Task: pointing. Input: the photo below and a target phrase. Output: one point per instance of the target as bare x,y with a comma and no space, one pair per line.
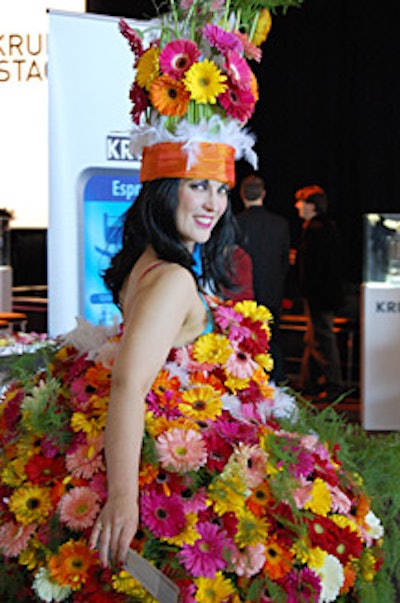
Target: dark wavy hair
151,220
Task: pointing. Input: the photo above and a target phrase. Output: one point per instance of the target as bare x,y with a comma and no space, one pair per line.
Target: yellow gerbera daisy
34,555
250,309
148,67
345,522
212,348
228,494
201,403
213,590
188,535
205,82
124,583
266,361
235,383
320,500
169,97
251,529
263,27
31,504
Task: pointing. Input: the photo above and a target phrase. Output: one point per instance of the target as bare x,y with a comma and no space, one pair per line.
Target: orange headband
214,161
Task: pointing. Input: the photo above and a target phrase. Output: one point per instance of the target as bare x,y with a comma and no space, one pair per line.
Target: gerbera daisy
213,590
240,364
249,560
169,97
42,470
221,39
71,564
259,499
189,534
163,515
201,403
31,504
320,501
14,537
207,555
212,348
331,575
148,67
177,56
237,69
87,459
205,82
263,27
251,530
256,312
227,493
79,508
237,102
181,450
48,590
250,50
302,585
278,559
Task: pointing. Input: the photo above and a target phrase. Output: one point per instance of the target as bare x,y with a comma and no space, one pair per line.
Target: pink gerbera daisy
237,69
79,508
206,556
251,51
177,56
163,515
240,364
237,102
14,537
249,561
86,459
222,40
181,450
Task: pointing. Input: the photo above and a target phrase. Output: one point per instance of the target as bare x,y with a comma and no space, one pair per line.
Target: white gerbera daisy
47,590
331,575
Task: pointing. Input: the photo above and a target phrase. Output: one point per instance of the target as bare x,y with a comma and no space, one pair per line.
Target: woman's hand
115,528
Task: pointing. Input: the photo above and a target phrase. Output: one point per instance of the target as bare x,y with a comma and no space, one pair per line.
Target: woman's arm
153,321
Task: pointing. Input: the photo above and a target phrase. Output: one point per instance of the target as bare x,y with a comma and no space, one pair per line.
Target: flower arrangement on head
277,517
194,90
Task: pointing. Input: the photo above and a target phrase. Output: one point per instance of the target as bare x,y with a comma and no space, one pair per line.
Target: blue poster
106,195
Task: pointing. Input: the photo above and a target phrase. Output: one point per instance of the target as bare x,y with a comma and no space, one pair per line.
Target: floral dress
239,501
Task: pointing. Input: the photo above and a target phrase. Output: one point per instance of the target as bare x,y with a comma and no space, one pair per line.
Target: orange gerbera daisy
259,499
278,560
207,379
169,97
98,376
70,567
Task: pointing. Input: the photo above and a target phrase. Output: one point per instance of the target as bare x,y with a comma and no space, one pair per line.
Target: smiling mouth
204,222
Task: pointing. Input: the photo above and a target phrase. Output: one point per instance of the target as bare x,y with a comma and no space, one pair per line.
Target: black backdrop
328,110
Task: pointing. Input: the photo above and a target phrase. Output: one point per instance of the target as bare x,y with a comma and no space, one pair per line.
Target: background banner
93,178
23,108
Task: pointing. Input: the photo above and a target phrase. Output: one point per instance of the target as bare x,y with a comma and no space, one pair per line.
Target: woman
153,281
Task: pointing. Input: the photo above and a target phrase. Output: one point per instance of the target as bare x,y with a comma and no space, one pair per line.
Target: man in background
266,239
321,286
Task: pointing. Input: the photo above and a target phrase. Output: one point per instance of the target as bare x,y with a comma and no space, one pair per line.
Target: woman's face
201,203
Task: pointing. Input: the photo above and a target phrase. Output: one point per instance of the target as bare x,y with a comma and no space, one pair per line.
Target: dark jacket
319,264
266,239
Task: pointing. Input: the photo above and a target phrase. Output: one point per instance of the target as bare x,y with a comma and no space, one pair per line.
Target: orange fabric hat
213,161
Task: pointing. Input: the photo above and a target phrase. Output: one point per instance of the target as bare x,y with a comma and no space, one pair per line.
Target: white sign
24,108
380,378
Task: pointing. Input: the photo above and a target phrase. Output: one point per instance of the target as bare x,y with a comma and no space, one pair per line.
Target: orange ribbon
213,161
